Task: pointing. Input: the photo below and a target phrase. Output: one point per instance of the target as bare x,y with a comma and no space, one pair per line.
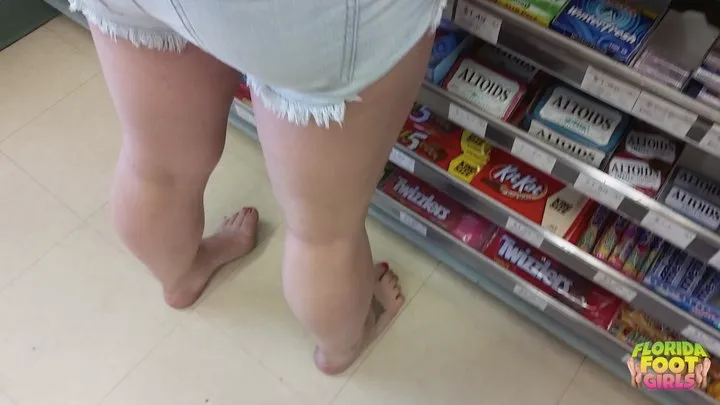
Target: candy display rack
693,123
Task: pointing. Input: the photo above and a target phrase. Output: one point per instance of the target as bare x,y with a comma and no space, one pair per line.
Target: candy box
705,311
698,185
450,42
541,11
437,207
694,207
496,93
243,93
577,124
633,326
608,26
505,61
583,296
435,138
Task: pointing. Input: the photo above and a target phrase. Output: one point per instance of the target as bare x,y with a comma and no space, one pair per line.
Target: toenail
384,265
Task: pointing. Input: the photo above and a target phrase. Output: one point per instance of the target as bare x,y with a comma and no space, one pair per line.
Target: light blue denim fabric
304,58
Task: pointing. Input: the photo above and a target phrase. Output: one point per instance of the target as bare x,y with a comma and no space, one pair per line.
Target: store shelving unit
681,116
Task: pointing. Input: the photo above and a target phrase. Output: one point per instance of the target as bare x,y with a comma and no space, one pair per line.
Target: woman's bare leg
173,108
324,180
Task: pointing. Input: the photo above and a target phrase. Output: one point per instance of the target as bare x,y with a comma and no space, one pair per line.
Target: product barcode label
663,114
715,261
467,120
532,297
610,89
668,230
711,141
524,232
696,335
404,161
476,20
413,223
616,287
599,191
533,155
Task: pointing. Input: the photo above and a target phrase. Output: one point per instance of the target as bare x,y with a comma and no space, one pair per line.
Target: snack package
541,11
577,124
580,294
633,326
608,26
694,207
599,220
503,177
644,161
639,253
698,185
509,62
440,209
612,236
709,287
622,250
496,93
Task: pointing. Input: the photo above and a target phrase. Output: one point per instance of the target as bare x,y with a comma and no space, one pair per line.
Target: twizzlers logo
517,185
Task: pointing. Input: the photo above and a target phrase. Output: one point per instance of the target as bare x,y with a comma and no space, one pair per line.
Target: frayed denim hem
142,38
299,112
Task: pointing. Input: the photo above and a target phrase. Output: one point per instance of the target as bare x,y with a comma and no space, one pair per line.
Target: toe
250,218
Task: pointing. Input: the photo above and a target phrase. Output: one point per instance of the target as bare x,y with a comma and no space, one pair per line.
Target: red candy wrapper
585,297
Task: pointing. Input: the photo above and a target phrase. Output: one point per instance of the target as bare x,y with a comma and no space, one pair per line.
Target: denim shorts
304,58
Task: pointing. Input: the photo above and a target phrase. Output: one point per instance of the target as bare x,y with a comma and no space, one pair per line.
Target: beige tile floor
82,323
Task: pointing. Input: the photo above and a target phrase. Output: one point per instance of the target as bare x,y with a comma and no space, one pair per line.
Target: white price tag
467,120
413,223
715,261
532,297
666,229
610,89
533,155
616,287
599,191
402,160
711,141
524,232
664,115
476,20
696,335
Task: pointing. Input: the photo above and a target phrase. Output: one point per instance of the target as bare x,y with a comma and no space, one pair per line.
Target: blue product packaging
709,287
693,272
704,311
450,42
663,270
581,119
608,26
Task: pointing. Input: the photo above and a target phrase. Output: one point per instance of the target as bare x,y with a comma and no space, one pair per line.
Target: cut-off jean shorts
304,58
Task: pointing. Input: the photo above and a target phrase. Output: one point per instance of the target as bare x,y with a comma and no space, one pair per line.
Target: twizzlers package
585,297
437,207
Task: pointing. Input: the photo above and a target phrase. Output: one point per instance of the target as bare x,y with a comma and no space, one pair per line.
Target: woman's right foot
389,296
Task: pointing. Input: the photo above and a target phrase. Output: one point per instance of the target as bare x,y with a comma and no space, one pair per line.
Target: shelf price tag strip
599,191
711,141
696,335
530,296
533,155
663,114
404,161
476,20
467,120
627,294
676,234
412,223
609,89
524,232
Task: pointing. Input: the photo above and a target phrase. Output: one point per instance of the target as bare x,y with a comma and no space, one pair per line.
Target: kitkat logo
515,184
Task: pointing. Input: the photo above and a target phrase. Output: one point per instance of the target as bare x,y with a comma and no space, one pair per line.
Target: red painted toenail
384,265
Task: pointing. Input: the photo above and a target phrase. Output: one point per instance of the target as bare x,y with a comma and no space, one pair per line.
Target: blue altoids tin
608,26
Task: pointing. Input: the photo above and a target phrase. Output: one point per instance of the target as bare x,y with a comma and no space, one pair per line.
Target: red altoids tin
590,300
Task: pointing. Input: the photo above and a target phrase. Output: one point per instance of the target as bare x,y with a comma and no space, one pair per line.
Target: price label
668,230
476,20
532,297
598,190
710,343
715,261
711,141
533,155
402,160
467,120
664,115
524,232
413,223
614,286
608,88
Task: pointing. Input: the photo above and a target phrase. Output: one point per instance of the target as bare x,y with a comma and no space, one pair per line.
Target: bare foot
389,297
235,238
